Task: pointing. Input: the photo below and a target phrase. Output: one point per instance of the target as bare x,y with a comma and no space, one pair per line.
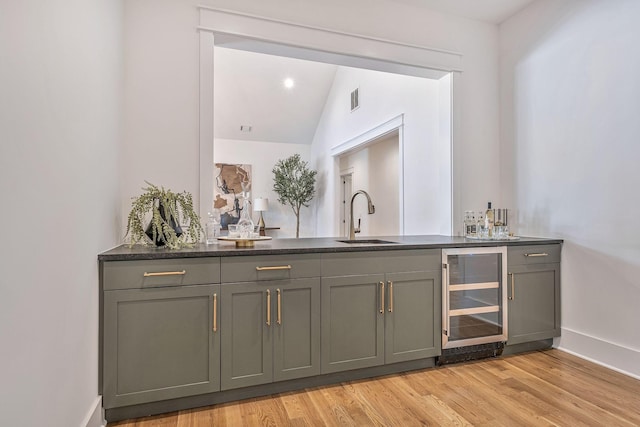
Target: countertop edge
314,245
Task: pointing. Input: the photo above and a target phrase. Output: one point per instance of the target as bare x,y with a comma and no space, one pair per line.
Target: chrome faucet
371,209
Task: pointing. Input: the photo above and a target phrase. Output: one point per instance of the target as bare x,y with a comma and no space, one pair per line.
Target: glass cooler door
474,296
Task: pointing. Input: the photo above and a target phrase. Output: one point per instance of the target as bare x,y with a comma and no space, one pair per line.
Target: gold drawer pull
381,297
215,312
537,254
513,289
277,267
279,320
268,307
166,273
390,296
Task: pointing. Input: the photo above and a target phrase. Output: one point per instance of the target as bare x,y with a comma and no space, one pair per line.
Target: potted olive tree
165,208
294,183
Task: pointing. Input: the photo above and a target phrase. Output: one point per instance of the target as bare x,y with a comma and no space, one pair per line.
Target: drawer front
160,273
269,267
345,264
533,254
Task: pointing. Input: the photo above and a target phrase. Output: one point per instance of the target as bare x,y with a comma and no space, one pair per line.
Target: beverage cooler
474,297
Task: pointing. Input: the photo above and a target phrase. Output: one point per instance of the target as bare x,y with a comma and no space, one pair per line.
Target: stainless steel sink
367,241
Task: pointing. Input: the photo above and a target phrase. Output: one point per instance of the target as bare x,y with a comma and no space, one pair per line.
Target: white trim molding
248,26
361,140
206,124
610,355
95,415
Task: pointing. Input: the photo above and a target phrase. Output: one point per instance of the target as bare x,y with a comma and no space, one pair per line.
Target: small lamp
261,205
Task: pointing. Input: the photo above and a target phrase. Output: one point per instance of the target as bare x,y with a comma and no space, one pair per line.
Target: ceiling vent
245,128
355,99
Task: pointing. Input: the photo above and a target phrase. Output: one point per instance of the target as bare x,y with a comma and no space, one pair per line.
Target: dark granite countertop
310,245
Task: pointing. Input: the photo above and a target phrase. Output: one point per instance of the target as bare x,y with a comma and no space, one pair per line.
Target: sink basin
367,241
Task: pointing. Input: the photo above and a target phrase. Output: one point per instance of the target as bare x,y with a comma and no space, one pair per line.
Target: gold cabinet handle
276,267
279,319
381,297
215,312
268,307
165,273
537,254
513,289
390,296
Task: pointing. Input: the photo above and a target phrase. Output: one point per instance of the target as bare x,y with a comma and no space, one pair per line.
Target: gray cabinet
387,317
296,340
246,357
270,327
160,343
533,293
160,330
411,319
352,322
174,330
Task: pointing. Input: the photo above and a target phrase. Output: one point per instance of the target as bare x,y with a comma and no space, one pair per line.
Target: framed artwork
232,184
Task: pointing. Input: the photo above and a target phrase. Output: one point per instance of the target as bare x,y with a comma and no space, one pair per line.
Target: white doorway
428,173
374,167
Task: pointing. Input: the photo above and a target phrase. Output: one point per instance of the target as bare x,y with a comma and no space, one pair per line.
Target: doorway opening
375,167
425,160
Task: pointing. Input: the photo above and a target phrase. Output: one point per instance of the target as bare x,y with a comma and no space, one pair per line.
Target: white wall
384,181
263,156
60,86
383,96
161,79
160,98
570,101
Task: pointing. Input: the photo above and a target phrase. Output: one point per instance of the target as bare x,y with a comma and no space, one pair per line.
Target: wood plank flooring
546,388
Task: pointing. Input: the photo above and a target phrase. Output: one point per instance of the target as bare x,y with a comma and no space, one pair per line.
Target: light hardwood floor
547,388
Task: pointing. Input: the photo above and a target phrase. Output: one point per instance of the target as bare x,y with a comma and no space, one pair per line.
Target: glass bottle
245,223
481,230
212,227
470,224
488,220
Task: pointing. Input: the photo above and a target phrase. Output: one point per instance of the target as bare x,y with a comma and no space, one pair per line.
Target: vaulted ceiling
249,90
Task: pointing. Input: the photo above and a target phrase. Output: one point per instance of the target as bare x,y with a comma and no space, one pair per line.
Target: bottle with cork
489,219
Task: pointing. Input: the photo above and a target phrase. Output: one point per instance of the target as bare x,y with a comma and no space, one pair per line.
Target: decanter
245,224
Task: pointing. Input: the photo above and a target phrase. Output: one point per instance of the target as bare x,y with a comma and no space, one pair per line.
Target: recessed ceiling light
288,82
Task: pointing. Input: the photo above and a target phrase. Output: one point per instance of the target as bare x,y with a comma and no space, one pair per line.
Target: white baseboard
613,356
95,415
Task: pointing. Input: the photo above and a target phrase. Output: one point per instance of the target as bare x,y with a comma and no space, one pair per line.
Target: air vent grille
355,99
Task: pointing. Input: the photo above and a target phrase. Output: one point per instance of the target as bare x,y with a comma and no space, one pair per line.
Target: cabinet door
412,316
352,322
245,333
534,302
159,343
296,339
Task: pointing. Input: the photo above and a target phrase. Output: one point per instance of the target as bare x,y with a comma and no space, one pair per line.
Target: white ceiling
249,90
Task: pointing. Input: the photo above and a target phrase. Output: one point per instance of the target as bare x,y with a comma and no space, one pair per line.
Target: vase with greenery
294,182
165,208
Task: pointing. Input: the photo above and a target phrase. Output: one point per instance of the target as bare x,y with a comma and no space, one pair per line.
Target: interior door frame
263,34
